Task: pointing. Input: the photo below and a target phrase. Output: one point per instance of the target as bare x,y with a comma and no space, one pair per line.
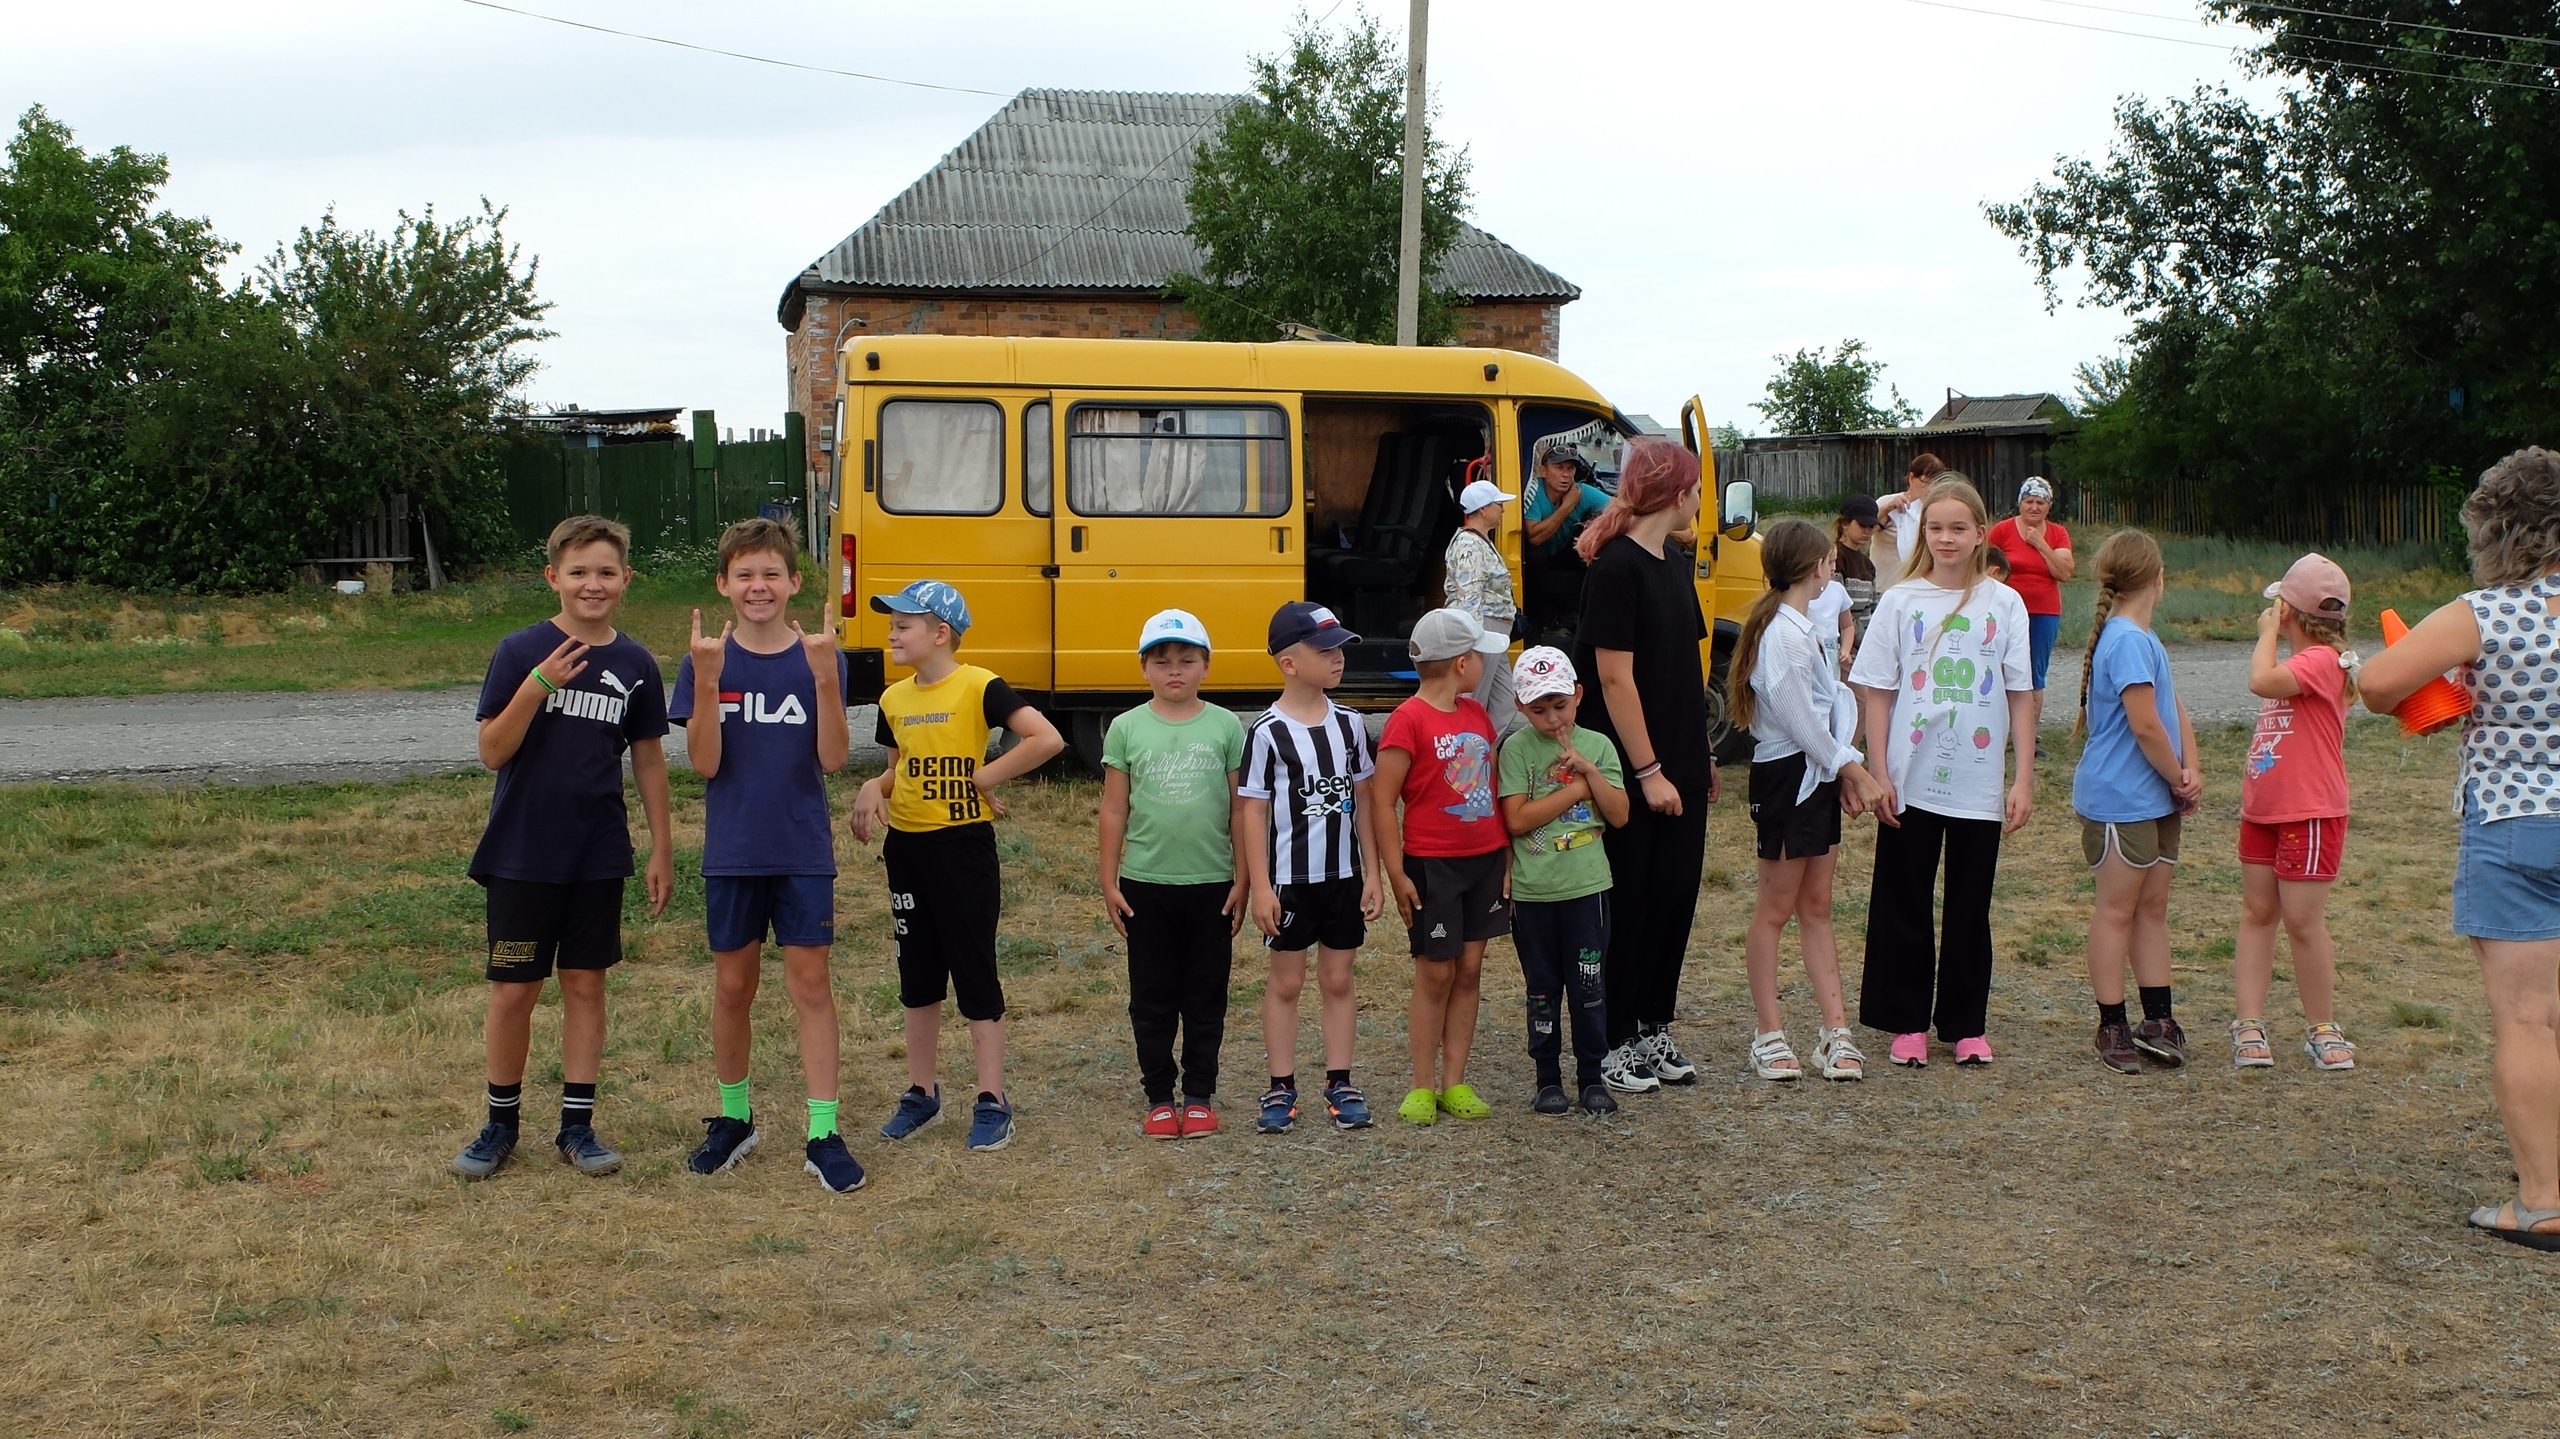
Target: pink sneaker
1976,1050
1911,1051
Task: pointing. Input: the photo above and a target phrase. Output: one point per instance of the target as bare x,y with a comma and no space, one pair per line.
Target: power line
2409,24
737,54
2534,66
2235,50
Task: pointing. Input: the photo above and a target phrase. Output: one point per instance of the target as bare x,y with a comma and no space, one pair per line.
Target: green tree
159,431
1819,392
2352,283
1297,201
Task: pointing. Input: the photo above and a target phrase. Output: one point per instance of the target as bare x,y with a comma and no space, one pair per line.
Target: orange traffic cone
2438,702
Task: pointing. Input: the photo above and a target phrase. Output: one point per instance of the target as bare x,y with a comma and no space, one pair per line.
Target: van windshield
1196,460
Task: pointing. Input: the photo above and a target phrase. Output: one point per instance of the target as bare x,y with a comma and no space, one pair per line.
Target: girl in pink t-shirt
2293,811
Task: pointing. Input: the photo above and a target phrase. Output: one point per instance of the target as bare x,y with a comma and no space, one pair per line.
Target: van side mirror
1739,511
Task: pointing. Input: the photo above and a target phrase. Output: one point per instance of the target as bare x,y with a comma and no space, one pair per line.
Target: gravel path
391,734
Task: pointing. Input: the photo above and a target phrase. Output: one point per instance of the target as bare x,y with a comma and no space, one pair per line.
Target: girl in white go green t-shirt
1948,687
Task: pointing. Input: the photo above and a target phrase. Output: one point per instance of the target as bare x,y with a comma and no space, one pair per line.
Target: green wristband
544,680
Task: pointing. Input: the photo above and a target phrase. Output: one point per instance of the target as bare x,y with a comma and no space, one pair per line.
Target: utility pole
1409,253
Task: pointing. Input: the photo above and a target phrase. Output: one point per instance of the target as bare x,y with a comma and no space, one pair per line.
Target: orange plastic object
2438,702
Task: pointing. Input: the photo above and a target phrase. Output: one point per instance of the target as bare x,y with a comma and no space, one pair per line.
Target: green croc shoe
1420,1106
1461,1101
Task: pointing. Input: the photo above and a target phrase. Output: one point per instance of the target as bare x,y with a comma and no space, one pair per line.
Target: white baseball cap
1480,493
1542,671
1445,634
1173,625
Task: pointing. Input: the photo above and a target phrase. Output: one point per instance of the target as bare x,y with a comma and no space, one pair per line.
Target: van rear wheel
1084,731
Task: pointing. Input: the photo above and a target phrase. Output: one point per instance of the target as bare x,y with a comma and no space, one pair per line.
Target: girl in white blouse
1804,772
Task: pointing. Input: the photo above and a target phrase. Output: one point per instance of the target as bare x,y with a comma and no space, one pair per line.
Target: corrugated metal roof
1082,190
1993,410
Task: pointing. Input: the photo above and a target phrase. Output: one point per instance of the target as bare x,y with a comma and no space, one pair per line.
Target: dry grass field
239,1041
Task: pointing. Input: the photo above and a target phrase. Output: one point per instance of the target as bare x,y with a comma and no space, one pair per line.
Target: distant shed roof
1082,191
1997,410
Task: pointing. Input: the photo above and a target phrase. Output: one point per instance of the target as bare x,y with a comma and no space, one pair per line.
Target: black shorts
1787,829
1325,913
945,893
535,927
1463,902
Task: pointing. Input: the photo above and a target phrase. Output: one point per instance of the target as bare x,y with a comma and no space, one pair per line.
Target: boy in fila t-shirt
945,888
1309,857
762,703
563,700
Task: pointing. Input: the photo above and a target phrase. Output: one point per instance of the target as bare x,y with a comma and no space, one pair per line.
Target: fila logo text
752,707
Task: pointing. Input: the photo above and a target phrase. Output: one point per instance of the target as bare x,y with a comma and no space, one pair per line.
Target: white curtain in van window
1140,475
941,457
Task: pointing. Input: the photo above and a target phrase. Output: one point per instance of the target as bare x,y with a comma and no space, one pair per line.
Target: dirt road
388,734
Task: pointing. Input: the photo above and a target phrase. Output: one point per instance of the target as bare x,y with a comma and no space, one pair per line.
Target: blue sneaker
1279,1110
916,1109
990,1123
481,1157
834,1166
1349,1107
725,1143
582,1151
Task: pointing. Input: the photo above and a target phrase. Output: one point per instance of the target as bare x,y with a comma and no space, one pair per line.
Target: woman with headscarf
1639,636
2039,553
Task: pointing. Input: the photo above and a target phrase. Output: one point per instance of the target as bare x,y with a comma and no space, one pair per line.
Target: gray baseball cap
1446,634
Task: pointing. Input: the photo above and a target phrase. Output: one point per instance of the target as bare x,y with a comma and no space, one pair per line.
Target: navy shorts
2506,883
794,908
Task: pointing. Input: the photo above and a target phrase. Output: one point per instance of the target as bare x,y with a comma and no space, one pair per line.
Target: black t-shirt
1649,608
557,816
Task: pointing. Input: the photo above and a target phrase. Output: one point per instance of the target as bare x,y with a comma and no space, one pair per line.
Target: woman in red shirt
2039,552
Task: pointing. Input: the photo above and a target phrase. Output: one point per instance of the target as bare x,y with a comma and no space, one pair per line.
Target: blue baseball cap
1170,625
1302,622
927,597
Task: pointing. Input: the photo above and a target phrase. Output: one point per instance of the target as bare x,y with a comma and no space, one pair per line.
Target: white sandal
1771,1058
1837,1057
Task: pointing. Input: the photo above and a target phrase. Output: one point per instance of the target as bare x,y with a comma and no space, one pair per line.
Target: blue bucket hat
927,597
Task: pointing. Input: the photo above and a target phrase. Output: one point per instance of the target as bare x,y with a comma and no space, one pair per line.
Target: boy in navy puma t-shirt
564,699
762,704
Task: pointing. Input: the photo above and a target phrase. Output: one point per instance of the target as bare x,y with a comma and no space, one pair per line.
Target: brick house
1063,215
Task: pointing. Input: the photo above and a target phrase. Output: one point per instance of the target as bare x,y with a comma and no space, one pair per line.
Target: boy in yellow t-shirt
945,889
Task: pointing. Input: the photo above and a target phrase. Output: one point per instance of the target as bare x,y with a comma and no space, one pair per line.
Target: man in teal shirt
1553,512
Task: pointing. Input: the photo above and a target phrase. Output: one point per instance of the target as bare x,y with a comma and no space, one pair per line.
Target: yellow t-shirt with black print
940,732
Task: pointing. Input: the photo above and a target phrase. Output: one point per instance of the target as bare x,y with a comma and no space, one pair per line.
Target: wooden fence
669,491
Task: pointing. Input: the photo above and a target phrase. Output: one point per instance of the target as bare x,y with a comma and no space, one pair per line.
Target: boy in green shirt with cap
1560,785
1169,876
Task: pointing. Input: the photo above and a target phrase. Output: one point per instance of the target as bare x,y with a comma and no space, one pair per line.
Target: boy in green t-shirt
1559,783
1175,893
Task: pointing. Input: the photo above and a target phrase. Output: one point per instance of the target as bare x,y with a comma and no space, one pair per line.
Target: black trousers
1180,956
1563,946
1655,861
1902,963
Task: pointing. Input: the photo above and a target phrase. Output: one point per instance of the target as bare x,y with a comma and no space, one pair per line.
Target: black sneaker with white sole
481,1157
725,1141
1665,1059
1624,1070
582,1151
834,1165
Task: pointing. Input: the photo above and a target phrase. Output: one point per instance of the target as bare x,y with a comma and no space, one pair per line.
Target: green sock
822,1118
733,1100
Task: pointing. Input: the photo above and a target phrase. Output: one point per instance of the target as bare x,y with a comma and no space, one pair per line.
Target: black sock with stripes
506,1104
577,1104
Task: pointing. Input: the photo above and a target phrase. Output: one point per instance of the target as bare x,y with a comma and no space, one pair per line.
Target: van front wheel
1731,742
1084,731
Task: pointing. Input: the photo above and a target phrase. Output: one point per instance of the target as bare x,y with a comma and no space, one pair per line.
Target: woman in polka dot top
2504,637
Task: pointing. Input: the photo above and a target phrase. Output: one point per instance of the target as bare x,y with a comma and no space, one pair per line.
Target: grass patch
2420,1016
244,1041
2217,585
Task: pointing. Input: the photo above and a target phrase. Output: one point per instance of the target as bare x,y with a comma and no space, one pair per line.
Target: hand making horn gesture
709,650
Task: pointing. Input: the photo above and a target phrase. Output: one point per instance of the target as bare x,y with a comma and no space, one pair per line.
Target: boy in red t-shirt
1450,863
2293,812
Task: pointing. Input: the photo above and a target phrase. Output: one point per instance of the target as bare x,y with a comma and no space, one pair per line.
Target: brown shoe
2163,1040
2116,1051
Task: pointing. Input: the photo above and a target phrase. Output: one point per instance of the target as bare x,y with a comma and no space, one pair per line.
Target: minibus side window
1230,460
941,457
1038,479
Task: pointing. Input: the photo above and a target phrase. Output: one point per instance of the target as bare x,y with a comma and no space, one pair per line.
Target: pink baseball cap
2315,585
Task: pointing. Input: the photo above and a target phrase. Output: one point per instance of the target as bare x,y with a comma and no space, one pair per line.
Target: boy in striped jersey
1309,856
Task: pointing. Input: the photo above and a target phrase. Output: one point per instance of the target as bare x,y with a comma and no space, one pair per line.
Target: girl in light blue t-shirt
2136,783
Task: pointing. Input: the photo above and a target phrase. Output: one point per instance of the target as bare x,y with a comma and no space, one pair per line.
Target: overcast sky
1725,181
